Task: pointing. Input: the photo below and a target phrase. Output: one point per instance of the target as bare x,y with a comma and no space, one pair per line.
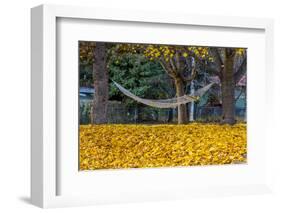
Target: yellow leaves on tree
141,146
240,51
165,52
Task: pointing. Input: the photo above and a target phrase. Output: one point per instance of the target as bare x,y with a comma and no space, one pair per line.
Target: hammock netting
166,103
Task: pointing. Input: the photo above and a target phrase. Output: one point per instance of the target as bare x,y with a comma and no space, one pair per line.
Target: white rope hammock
166,103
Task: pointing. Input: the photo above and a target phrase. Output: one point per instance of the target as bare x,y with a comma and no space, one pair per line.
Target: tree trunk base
182,109
228,121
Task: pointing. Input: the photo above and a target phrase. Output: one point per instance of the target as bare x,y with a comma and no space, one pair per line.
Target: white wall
15,98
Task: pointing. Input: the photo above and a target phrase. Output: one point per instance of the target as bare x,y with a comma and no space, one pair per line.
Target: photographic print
161,105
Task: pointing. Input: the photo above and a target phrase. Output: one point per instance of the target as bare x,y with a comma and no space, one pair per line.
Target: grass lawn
141,146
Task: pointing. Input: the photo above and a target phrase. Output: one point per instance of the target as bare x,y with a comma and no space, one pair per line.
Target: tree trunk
182,111
228,88
100,74
170,115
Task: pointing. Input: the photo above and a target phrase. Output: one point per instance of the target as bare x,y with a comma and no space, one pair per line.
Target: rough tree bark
100,75
228,87
182,110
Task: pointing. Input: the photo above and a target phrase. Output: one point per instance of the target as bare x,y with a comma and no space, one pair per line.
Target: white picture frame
45,167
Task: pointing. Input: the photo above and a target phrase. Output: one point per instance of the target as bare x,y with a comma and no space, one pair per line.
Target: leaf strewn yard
141,146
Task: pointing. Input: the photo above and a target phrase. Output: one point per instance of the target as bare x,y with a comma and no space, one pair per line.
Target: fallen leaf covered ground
140,146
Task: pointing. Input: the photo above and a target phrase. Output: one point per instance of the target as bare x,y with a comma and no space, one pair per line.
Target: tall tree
100,75
230,66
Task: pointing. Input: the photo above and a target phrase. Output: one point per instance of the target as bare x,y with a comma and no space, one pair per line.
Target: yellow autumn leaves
153,52
165,52
141,146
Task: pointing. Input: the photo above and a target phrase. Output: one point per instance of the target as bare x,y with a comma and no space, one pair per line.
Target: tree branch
238,96
177,60
217,56
218,62
240,71
188,79
166,68
172,64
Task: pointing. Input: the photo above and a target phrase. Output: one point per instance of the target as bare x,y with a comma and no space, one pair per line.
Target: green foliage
142,77
86,75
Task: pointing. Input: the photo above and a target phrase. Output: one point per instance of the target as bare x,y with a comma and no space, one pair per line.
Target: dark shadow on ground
25,199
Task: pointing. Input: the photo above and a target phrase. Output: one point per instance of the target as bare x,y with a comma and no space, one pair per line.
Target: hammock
166,103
